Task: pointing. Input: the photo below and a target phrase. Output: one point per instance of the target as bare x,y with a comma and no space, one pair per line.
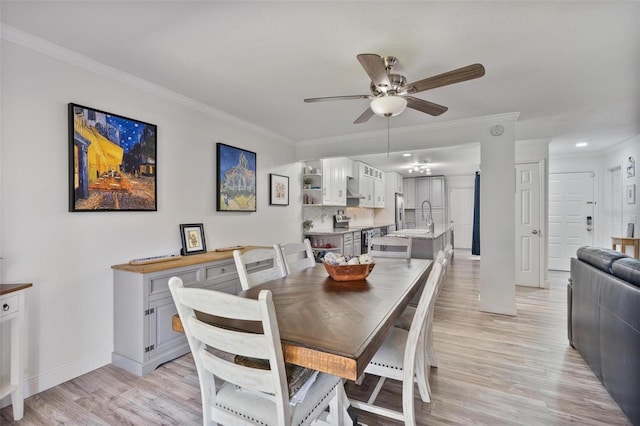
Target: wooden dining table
335,326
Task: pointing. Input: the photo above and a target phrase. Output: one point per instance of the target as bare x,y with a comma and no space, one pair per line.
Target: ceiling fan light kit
388,106
390,93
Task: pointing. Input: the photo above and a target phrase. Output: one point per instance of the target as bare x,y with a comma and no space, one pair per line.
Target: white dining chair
400,358
250,393
297,256
387,246
406,318
249,270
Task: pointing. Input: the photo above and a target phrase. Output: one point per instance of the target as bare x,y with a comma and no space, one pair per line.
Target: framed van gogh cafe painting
112,162
236,174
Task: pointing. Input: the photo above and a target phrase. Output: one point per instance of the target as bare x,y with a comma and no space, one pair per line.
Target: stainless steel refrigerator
399,211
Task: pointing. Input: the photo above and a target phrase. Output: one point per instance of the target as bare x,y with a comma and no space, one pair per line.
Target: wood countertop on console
10,288
193,259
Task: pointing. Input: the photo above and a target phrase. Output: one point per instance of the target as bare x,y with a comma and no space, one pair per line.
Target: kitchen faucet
430,224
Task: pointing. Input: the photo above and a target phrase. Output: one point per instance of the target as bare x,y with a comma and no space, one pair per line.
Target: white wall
618,156
68,256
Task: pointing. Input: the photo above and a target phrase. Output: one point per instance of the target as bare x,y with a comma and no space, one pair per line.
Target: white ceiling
569,68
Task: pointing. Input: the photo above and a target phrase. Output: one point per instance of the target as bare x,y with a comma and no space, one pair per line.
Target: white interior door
461,212
571,199
528,227
615,216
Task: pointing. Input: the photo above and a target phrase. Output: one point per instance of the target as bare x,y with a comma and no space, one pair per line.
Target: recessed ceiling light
582,144
407,154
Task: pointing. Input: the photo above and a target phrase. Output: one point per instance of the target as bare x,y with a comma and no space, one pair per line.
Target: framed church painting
236,175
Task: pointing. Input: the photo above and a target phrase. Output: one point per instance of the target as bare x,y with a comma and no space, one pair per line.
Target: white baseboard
48,379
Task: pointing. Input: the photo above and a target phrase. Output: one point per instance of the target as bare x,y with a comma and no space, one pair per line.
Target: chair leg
433,361
422,374
408,409
360,380
337,409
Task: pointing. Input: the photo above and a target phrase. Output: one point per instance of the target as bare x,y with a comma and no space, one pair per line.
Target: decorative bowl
349,272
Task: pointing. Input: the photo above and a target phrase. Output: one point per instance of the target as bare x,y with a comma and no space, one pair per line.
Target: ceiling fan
390,93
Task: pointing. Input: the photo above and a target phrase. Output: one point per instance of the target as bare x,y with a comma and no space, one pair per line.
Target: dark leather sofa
604,321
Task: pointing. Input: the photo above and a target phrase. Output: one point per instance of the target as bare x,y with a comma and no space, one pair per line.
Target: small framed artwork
631,193
630,230
192,239
236,174
278,190
112,162
631,167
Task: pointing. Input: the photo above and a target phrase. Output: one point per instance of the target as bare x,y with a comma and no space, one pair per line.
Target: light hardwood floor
492,370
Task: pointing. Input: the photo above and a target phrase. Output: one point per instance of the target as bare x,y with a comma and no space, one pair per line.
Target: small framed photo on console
192,239
630,230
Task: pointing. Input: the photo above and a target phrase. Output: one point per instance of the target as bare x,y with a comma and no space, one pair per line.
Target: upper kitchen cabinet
409,186
334,176
379,189
394,182
416,190
365,184
438,195
325,182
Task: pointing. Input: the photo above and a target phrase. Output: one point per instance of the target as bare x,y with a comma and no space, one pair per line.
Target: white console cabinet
12,301
143,306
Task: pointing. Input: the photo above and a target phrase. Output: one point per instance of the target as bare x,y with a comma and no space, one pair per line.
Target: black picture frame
193,241
278,190
112,162
630,230
236,174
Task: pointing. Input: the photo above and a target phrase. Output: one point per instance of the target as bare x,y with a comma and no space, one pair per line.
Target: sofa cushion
627,269
599,257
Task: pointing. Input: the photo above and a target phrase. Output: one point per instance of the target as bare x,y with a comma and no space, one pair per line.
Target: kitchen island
425,244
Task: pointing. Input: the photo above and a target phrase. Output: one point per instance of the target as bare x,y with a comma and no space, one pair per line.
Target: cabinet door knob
5,307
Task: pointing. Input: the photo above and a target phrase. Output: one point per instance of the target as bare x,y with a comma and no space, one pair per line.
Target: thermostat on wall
497,130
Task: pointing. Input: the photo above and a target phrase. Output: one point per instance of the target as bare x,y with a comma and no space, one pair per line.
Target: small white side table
12,309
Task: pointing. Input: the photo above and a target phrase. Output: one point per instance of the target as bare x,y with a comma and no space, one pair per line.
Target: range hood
351,194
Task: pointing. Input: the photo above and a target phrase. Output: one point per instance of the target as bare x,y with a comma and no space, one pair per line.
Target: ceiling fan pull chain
388,143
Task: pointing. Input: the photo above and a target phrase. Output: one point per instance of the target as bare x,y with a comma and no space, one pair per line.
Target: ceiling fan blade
337,98
425,106
451,77
374,66
364,117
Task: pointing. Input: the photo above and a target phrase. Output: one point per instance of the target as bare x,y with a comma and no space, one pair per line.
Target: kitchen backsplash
322,217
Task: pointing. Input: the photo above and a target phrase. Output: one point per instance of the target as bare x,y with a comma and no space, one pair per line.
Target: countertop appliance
340,220
399,211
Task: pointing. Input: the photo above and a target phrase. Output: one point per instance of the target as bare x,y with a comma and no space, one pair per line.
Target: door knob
535,231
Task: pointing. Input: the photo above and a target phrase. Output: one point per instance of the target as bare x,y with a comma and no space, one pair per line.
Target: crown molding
486,120
60,53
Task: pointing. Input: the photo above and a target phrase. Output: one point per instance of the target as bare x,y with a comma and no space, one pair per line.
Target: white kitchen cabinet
357,243
409,186
347,244
365,184
379,189
423,192
143,306
437,194
325,182
334,178
433,190
394,183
